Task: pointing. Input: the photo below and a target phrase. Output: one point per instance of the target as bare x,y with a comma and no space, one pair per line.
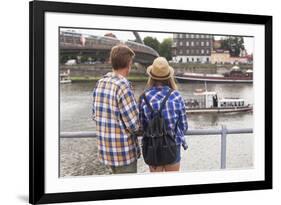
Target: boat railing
223,132
195,102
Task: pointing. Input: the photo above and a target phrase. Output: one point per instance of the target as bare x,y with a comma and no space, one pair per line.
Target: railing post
223,146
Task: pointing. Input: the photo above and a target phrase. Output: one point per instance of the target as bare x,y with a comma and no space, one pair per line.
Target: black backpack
158,145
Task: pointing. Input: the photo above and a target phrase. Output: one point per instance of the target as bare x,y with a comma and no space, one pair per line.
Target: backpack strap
146,101
165,99
162,103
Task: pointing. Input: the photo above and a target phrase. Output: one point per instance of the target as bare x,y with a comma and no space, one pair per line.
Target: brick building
192,47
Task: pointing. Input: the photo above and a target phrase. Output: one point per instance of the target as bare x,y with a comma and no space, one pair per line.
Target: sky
128,35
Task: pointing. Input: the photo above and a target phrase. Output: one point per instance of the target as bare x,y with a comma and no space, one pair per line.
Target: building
191,47
238,60
220,56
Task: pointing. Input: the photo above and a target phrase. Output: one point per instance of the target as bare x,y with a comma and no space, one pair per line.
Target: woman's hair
169,82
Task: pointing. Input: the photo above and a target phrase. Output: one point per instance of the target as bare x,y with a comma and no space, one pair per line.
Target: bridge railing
222,132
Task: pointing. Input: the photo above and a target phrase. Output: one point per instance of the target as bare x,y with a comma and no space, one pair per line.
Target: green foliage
234,44
165,48
152,42
84,59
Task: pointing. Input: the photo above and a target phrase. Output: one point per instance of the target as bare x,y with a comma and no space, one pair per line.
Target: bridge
98,47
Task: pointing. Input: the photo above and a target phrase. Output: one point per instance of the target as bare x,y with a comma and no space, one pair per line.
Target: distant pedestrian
116,113
162,119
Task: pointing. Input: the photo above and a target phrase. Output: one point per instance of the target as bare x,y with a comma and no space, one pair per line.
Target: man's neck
121,71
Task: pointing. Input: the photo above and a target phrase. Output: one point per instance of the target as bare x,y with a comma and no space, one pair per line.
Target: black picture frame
37,9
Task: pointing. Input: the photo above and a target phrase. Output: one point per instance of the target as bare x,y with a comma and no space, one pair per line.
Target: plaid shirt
173,112
116,114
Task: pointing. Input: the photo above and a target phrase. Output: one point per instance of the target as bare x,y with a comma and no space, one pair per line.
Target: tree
152,42
165,48
233,45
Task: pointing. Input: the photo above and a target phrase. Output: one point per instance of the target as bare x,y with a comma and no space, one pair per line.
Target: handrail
92,134
223,132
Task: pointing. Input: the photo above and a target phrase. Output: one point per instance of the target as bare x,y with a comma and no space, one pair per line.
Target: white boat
208,102
65,77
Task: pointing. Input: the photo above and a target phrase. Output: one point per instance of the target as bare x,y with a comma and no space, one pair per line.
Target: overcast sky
128,35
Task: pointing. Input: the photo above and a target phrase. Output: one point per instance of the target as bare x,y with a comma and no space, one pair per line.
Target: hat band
159,76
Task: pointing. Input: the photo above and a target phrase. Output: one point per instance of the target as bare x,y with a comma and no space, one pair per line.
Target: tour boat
236,75
208,102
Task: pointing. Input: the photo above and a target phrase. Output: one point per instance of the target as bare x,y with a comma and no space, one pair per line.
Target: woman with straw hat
161,85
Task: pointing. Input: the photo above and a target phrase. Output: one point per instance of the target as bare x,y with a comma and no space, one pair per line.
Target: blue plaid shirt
115,111
173,112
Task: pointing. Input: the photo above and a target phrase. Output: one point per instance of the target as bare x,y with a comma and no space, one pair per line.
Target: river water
78,157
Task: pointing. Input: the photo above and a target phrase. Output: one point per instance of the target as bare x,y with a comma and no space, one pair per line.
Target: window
187,51
187,43
197,35
181,36
197,43
180,43
202,36
202,43
192,51
207,43
180,51
187,35
192,43
207,51
202,51
197,51
192,36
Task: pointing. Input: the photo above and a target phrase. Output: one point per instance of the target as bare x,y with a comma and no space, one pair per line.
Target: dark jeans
131,168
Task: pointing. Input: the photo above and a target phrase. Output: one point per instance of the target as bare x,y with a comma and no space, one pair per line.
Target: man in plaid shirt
116,114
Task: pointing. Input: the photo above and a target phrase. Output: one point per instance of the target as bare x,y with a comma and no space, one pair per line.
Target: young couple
118,115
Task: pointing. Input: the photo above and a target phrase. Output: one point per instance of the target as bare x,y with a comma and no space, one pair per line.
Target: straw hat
160,69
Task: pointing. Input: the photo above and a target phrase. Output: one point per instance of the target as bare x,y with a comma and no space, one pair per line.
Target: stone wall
96,69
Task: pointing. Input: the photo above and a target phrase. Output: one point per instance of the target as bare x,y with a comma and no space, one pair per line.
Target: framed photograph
98,72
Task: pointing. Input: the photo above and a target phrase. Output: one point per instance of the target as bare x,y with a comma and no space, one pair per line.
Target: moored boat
236,75
65,77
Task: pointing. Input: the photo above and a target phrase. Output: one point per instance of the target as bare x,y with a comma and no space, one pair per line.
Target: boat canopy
205,93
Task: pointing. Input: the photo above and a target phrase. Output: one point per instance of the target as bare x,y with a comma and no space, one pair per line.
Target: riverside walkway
222,133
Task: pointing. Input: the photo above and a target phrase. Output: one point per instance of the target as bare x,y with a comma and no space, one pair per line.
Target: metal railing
222,132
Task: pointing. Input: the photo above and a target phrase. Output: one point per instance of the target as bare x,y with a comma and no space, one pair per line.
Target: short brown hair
120,56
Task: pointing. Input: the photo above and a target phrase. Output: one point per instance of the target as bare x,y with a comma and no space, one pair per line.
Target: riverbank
207,66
